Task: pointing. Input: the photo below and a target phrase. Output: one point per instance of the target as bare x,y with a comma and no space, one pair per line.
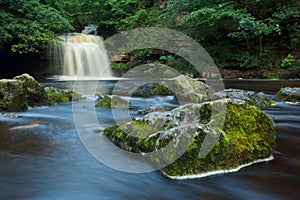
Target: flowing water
42,157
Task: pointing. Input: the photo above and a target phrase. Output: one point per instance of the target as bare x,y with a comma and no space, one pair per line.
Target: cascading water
81,55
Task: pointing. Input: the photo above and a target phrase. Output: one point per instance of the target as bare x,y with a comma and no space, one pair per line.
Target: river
46,160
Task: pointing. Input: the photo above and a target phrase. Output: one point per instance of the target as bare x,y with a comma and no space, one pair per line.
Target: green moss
55,95
12,96
152,89
205,113
162,90
17,103
112,102
137,136
248,135
266,103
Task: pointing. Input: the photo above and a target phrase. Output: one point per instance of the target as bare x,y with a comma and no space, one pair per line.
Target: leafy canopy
29,25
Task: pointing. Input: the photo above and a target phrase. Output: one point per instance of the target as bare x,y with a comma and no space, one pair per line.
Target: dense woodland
238,34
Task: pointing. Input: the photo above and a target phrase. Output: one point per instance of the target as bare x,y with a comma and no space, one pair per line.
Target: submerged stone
112,102
193,140
289,94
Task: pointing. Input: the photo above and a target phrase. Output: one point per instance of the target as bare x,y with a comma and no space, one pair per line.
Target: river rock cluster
209,132
24,91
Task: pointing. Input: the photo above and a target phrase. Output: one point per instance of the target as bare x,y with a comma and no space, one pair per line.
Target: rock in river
112,102
196,139
257,99
289,94
20,92
183,87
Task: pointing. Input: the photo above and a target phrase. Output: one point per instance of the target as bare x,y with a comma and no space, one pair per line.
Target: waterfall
81,55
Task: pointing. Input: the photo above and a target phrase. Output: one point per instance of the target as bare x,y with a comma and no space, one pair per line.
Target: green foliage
236,33
288,61
129,14
29,25
120,66
181,65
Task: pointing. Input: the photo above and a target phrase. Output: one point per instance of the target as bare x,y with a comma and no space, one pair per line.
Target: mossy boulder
289,94
152,89
56,95
35,93
248,135
20,92
112,102
184,88
190,90
253,98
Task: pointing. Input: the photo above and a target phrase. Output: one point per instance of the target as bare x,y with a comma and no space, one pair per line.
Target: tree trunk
260,45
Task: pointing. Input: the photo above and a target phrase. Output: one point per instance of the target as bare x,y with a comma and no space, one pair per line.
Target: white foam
82,78
292,103
206,174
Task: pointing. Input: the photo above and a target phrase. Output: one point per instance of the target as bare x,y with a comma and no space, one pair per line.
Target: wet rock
35,93
154,109
152,89
184,88
20,92
9,115
190,90
257,99
289,94
112,102
206,137
56,95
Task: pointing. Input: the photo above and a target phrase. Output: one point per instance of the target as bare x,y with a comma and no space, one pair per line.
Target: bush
288,61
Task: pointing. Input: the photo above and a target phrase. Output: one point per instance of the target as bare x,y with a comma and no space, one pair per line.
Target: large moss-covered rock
183,87
248,135
20,92
112,102
289,94
35,93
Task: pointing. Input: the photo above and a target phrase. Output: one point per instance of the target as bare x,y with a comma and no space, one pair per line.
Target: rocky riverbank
24,91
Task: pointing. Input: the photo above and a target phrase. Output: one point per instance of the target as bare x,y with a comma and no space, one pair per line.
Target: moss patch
248,135
56,95
112,102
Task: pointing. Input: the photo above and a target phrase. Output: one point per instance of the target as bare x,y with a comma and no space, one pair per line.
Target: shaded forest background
238,34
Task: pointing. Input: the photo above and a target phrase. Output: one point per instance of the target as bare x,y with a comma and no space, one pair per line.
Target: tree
28,25
231,30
